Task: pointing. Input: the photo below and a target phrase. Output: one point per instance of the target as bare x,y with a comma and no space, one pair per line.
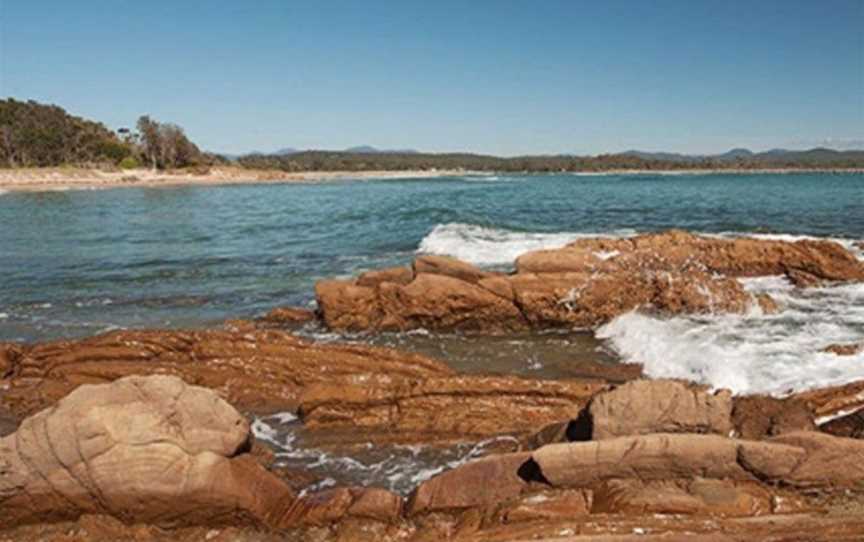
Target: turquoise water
79,262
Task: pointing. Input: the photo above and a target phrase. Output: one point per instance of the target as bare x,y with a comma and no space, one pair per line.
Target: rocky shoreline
147,434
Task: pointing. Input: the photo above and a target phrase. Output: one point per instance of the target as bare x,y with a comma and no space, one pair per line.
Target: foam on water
399,468
753,353
481,245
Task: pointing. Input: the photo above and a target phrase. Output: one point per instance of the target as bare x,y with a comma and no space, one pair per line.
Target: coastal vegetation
40,135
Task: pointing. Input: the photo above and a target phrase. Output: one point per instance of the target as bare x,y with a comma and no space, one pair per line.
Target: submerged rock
582,285
852,349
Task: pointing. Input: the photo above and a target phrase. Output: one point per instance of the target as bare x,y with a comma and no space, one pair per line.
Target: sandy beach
48,179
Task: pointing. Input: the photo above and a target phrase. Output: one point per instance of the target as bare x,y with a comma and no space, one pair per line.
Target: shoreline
60,179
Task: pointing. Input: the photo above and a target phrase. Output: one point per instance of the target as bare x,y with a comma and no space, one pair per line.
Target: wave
487,246
482,245
754,353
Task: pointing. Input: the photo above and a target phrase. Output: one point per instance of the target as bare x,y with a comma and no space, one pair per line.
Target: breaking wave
754,353
482,245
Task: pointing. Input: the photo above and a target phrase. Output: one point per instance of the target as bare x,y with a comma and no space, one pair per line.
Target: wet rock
288,316
448,407
483,481
255,370
333,505
142,449
850,425
642,407
9,355
759,416
844,349
767,304
832,401
803,279
583,285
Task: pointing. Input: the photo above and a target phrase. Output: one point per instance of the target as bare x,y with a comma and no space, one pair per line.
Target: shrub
130,162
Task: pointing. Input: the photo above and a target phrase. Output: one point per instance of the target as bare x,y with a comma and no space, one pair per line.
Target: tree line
40,135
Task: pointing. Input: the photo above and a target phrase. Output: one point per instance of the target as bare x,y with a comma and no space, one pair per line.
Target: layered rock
584,284
446,407
255,370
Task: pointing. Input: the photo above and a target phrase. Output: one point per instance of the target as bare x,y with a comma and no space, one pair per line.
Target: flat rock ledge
583,285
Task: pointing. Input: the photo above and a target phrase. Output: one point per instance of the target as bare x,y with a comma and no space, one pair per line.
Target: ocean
77,263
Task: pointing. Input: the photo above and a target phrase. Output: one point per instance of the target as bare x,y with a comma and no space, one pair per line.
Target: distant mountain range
739,154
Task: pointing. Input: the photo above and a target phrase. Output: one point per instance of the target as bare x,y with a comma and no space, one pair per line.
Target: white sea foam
483,245
753,353
492,246
400,468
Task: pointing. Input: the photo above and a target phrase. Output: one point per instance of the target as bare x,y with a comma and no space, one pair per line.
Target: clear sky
501,77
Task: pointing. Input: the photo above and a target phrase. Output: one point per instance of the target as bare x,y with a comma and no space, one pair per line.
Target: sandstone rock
451,267
547,506
829,402
759,416
288,316
828,461
398,275
767,304
450,407
259,370
684,496
483,481
659,406
844,349
336,504
9,355
646,457
140,449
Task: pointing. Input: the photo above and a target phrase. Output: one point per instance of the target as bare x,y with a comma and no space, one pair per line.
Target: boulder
452,407
850,425
828,461
546,506
759,416
142,449
644,457
256,370
484,481
659,406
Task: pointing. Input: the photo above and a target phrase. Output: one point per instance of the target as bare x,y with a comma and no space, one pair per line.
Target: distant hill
777,157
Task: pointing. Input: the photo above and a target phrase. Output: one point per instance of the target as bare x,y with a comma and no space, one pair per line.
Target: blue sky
486,76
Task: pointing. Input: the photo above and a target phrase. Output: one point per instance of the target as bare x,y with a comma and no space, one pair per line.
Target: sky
501,77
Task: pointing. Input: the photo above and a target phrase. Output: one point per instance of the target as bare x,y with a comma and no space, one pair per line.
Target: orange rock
451,407
659,406
399,275
450,267
288,316
759,416
256,370
844,349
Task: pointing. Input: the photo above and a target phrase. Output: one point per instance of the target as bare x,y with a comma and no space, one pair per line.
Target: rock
398,275
844,349
488,480
258,370
659,406
583,285
758,416
828,461
830,402
142,449
336,504
767,304
450,407
8,422
450,267
9,355
547,506
288,316
645,457
803,279
850,425
697,496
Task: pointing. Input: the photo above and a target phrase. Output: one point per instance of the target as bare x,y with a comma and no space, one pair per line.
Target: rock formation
584,284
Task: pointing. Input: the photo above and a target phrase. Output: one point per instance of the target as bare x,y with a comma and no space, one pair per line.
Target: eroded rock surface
584,284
